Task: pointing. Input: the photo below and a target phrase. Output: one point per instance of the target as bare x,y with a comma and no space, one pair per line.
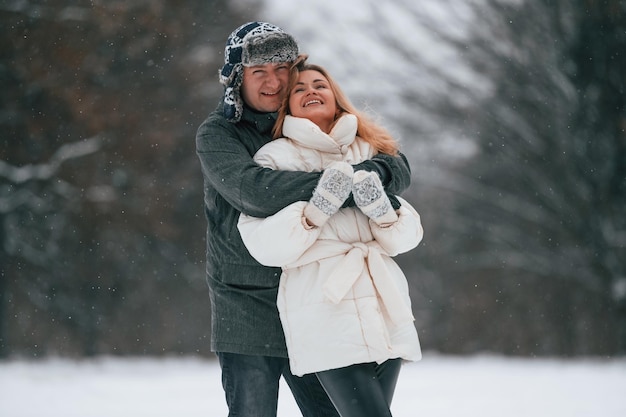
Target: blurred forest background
519,170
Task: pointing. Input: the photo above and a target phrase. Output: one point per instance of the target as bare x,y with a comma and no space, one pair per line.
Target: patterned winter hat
254,43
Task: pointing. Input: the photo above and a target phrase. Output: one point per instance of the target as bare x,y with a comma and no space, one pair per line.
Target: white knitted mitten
369,195
332,190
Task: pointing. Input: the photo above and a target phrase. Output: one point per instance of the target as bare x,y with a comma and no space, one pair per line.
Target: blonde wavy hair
367,129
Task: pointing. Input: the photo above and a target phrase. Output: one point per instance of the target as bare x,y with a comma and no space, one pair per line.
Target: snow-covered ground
438,386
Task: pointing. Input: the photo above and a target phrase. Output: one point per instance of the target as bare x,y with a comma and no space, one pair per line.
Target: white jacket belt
357,257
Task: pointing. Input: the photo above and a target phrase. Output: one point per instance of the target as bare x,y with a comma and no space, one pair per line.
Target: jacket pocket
250,276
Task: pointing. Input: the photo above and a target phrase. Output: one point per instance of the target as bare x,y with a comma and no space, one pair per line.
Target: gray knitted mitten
332,190
369,195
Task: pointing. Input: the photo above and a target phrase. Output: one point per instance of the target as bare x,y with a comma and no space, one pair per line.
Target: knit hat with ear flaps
255,43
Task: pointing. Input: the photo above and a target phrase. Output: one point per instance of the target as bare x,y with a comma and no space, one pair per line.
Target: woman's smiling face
313,99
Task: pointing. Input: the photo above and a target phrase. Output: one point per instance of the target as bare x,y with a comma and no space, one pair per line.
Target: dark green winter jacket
243,292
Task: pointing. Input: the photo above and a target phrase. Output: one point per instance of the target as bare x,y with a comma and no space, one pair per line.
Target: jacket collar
308,134
264,122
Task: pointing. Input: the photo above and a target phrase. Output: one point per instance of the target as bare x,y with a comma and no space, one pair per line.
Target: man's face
264,86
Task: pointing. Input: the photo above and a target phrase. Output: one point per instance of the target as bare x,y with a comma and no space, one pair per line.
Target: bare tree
35,207
537,238
111,251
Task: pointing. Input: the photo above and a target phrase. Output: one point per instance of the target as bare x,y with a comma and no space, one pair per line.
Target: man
246,332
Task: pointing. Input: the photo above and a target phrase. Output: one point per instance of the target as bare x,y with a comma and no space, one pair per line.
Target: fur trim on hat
254,43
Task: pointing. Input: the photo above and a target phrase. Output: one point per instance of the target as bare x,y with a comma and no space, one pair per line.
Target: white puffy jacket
342,299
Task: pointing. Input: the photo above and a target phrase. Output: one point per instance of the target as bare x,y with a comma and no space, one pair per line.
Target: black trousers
362,390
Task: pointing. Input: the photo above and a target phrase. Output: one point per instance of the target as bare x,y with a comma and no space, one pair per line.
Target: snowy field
438,386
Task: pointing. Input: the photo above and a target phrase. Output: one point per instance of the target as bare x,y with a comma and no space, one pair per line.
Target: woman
343,302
